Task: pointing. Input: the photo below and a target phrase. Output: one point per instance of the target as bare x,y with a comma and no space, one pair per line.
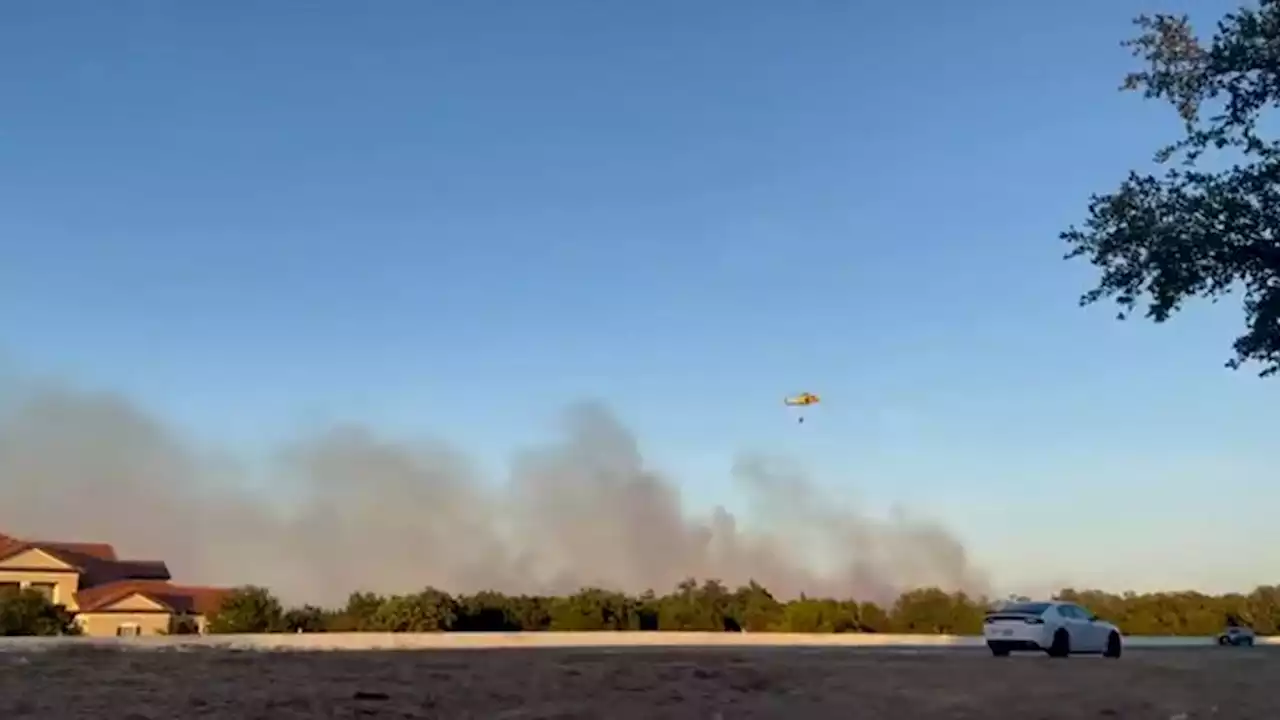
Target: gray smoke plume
346,510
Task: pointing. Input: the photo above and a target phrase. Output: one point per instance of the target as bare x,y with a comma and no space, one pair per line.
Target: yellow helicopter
801,400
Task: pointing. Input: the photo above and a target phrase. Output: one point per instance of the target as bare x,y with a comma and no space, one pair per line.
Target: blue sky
454,218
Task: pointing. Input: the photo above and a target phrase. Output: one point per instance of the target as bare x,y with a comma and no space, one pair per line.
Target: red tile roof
98,551
10,546
97,562
100,573
177,598
6,543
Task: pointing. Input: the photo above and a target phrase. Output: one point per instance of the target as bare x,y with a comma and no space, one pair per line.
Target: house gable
134,603
35,559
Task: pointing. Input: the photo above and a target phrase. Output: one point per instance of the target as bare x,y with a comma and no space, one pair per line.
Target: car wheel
1114,646
1061,646
1248,642
1224,640
999,649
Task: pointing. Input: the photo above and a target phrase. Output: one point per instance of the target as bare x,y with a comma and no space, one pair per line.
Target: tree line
707,606
710,606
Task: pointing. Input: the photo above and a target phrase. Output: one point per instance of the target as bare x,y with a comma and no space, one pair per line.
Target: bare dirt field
648,684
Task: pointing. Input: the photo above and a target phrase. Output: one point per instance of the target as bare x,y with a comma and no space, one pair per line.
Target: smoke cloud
346,510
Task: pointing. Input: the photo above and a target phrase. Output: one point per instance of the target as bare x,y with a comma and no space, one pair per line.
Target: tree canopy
707,606
710,606
1195,231
27,612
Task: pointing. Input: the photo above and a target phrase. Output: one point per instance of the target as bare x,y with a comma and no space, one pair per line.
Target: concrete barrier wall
463,641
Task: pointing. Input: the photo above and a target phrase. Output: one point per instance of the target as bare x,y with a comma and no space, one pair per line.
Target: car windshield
1024,608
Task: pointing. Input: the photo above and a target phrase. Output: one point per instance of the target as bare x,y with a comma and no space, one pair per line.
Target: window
9,587
48,590
1035,608
128,630
1075,612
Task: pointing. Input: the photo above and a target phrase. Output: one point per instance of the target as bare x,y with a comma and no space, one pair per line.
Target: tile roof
6,543
100,573
99,551
97,562
177,598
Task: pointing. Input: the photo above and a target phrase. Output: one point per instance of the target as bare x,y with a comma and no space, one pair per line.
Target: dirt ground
799,684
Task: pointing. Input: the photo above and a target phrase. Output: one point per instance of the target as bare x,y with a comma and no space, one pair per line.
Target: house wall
106,624
34,566
150,617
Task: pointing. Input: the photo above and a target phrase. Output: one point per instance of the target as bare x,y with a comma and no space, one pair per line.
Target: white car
1057,628
1237,636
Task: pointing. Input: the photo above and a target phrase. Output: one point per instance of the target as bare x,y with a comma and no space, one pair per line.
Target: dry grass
800,684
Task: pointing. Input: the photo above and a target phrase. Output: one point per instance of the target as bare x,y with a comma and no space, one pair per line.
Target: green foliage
358,613
307,618
248,609
28,612
756,610
711,607
427,611
595,609
707,608
494,612
930,610
1184,613
873,618
809,615
1193,232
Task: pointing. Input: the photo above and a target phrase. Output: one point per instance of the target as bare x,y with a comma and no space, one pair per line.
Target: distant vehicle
1057,628
1237,636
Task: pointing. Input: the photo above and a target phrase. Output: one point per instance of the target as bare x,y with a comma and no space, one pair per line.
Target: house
107,595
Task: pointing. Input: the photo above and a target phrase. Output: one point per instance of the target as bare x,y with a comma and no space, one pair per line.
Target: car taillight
1034,621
